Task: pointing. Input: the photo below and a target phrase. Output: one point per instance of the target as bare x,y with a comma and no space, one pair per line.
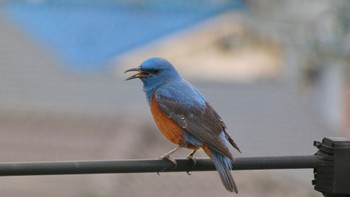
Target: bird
185,117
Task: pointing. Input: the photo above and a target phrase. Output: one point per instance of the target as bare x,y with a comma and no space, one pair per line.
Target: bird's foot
167,157
194,161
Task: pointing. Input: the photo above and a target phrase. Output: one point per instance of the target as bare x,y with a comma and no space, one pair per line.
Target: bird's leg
167,155
190,157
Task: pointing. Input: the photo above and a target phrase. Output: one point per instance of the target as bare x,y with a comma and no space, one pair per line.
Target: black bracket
332,175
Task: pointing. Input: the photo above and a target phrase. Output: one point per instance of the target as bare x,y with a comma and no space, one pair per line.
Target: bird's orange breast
167,126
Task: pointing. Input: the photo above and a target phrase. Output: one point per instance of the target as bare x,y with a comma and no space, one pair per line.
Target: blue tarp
85,36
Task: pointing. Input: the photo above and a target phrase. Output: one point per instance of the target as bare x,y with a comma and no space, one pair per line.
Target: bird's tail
223,165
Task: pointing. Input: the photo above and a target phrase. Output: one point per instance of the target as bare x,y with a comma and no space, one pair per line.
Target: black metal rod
144,166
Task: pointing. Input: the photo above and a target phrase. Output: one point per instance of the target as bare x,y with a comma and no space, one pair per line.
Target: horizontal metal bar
144,166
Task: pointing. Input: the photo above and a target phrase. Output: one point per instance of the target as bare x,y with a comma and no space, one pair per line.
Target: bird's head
154,72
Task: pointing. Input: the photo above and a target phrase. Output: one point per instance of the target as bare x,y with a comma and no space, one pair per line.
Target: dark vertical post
332,177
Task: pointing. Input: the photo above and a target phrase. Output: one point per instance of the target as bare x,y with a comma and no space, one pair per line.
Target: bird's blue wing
188,108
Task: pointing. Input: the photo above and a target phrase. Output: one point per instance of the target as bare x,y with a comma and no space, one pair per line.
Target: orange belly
168,127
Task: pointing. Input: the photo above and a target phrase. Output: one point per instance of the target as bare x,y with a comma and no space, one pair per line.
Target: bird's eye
154,71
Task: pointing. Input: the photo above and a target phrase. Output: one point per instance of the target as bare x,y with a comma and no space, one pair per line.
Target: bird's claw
194,161
167,157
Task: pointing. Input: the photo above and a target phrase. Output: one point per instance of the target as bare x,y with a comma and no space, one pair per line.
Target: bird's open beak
140,73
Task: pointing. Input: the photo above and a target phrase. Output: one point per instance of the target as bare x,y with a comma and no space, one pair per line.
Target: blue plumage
169,82
190,139
154,81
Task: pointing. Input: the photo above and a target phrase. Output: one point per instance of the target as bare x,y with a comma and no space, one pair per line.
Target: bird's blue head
154,72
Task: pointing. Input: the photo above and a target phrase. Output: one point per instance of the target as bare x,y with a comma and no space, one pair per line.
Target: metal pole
146,166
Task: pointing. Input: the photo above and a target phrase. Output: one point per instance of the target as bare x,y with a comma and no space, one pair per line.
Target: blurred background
277,71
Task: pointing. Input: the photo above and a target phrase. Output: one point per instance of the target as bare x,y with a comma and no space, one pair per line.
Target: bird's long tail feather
223,166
